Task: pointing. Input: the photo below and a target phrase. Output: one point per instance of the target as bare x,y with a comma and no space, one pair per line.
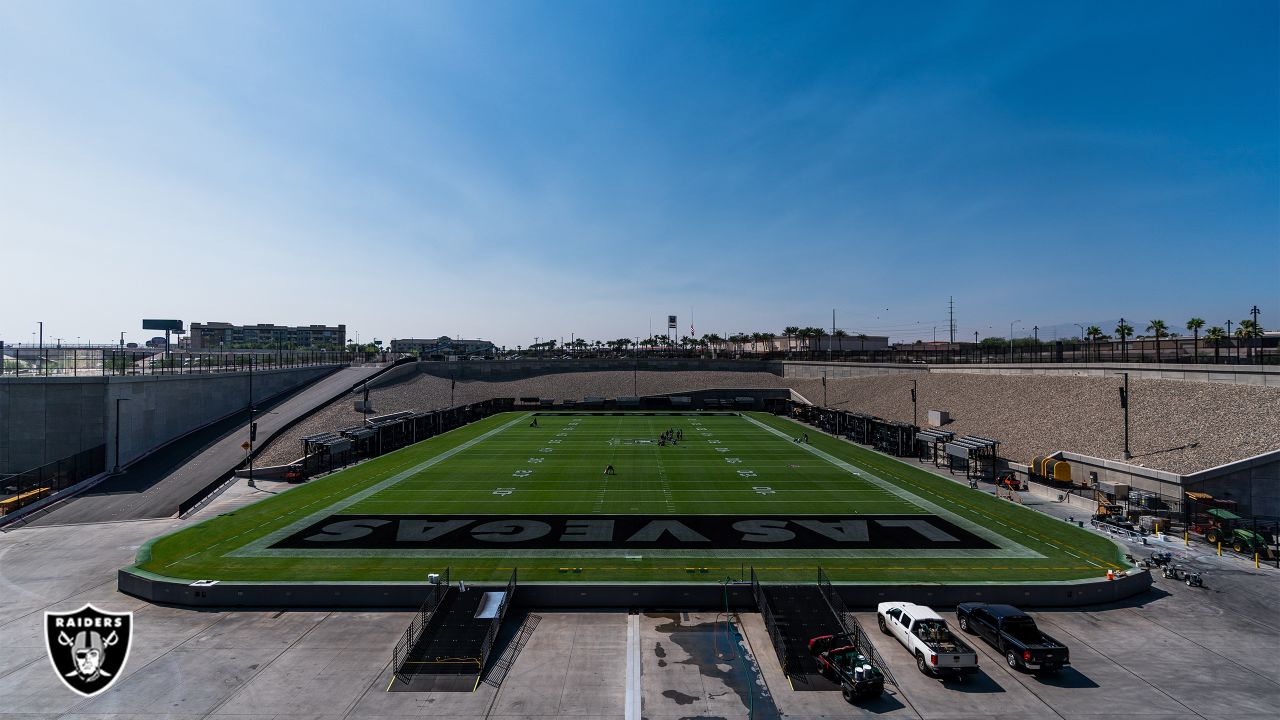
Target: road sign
245,445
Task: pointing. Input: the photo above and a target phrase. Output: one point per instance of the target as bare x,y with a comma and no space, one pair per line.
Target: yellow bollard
1186,538
1219,548
1256,563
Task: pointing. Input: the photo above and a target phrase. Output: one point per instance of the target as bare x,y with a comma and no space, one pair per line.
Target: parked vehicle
844,663
1177,572
1157,559
1225,529
926,636
1015,635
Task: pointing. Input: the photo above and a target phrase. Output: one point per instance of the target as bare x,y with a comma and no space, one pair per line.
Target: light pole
1124,404
913,402
116,469
1254,311
1015,322
45,365
253,428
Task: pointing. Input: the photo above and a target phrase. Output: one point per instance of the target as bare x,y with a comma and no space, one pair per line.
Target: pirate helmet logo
89,647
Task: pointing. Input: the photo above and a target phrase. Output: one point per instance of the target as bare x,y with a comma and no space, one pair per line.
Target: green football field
737,491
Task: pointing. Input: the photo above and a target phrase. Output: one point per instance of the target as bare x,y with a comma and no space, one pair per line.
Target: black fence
22,489
491,636
329,451
33,361
770,624
419,623
857,636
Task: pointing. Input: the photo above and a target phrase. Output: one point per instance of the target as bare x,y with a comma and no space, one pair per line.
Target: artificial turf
739,465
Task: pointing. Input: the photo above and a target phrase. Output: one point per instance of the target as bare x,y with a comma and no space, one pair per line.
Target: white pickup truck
926,636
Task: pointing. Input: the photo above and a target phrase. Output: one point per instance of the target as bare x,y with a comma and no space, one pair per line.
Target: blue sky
511,170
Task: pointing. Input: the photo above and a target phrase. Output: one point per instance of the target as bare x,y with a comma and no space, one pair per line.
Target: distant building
443,345
216,335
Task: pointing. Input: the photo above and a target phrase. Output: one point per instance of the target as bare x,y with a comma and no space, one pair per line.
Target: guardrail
851,626
775,635
495,626
413,633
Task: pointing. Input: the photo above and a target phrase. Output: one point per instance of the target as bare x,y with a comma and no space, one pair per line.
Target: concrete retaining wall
706,595
1268,375
45,419
518,369
815,369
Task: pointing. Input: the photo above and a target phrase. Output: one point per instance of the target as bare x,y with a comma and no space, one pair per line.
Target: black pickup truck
1015,635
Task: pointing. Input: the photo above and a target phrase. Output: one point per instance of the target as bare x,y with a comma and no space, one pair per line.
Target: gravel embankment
1029,415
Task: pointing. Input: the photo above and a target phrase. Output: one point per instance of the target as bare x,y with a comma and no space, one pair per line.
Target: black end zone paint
567,533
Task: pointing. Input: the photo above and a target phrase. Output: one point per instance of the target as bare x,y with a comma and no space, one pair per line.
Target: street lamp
116,469
1011,338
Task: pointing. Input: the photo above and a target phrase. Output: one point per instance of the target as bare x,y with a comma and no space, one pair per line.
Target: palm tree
1215,336
790,331
1244,331
840,335
1194,325
1093,333
818,333
767,337
862,338
1158,329
1251,330
1123,331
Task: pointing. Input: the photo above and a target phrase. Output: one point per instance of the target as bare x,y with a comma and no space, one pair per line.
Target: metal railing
418,624
850,625
491,636
27,361
503,664
770,624
25,488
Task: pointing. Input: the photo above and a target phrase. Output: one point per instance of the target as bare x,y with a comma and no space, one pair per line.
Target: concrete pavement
156,486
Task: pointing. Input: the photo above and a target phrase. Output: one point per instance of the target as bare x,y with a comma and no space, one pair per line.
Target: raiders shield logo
89,647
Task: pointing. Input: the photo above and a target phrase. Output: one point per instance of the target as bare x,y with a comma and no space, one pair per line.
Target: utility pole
253,427
40,358
1124,404
951,318
824,388
913,402
116,470
1229,337
1015,322
1254,311
1036,330
831,340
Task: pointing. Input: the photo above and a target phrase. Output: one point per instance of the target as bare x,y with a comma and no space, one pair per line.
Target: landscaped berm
731,491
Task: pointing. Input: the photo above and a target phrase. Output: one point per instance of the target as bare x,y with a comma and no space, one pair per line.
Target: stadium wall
1267,375
706,595
45,419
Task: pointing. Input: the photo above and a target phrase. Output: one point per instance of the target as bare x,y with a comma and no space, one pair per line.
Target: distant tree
1194,325
1246,330
1215,336
862,338
789,332
1124,331
1093,333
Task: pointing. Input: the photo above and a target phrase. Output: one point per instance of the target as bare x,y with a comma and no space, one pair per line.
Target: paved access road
1173,653
155,486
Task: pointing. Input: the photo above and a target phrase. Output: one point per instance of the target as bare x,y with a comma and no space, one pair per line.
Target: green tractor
1223,530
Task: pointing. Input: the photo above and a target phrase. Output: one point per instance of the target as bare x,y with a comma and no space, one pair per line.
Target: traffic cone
1111,574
